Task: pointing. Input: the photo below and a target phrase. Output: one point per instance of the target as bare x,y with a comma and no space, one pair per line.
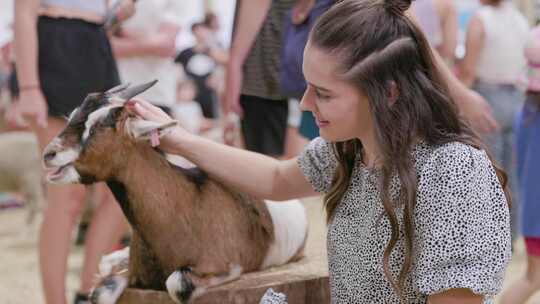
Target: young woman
416,209
492,65
62,53
528,170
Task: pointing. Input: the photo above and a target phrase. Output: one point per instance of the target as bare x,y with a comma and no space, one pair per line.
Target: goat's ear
139,128
125,92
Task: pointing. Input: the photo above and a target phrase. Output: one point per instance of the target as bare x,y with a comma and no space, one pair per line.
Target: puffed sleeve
318,163
462,223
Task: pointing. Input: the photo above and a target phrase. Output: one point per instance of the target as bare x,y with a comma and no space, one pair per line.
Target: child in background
187,111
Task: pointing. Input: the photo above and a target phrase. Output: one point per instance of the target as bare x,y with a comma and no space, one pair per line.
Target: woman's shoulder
455,159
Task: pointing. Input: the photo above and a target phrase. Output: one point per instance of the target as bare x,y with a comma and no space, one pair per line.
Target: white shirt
189,114
135,70
501,59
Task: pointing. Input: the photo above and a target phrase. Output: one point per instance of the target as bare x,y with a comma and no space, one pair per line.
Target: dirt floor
19,280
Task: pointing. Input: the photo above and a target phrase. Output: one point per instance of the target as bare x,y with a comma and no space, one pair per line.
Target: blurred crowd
244,92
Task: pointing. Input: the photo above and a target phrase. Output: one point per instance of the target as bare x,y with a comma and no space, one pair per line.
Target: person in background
5,52
187,111
297,24
252,88
145,49
438,20
492,65
211,21
62,53
199,63
528,172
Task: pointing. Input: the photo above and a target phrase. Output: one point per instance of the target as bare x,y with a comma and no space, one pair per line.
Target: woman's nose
306,103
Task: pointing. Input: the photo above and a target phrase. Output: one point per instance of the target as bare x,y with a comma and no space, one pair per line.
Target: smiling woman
341,111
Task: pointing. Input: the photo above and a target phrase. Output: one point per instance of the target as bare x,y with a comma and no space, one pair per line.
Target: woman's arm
31,101
249,172
133,44
473,45
456,296
447,10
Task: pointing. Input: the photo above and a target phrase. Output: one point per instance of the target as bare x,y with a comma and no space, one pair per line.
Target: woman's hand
31,106
126,10
170,141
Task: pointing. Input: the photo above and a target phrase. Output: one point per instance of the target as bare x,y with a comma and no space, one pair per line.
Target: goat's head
94,142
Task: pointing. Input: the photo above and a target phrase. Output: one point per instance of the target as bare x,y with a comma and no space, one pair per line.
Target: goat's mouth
56,173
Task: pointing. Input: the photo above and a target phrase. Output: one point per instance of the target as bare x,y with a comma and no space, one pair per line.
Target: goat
190,232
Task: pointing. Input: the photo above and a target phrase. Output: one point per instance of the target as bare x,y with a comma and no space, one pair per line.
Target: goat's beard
66,174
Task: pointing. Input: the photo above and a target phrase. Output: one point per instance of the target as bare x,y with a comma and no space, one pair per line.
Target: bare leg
64,204
526,286
107,227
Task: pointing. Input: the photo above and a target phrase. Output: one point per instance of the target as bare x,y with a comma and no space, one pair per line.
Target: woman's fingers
147,111
151,108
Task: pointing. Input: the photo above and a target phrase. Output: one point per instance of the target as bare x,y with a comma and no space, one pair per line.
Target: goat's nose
48,156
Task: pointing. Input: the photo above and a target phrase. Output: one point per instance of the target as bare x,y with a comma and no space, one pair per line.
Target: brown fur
176,223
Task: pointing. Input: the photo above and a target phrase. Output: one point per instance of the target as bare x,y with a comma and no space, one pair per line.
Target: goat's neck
154,191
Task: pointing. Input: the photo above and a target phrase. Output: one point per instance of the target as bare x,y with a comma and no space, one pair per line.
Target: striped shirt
261,68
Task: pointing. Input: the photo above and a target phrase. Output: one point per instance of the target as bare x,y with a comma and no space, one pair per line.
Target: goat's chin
66,174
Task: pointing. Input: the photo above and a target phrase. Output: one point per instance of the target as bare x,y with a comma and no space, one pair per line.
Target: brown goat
190,232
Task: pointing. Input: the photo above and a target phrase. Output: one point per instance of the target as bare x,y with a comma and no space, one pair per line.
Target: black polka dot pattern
462,228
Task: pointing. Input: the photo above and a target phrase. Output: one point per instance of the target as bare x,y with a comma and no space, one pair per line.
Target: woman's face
341,111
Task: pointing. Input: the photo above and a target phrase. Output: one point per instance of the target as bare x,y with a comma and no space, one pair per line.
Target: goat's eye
92,131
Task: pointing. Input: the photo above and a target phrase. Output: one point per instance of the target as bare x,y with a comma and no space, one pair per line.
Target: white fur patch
96,116
69,176
290,229
174,282
108,262
63,157
174,285
107,296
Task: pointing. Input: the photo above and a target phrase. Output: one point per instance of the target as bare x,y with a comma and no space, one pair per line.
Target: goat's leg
114,262
113,272
109,289
184,285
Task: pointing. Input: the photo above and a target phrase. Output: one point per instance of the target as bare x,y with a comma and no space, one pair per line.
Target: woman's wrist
182,140
30,87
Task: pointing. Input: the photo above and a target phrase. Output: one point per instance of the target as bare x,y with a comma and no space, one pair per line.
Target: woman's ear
393,93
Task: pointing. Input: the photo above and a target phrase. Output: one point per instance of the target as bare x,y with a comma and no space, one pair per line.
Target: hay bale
304,282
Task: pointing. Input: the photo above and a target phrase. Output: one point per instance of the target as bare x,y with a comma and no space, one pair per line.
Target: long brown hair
378,48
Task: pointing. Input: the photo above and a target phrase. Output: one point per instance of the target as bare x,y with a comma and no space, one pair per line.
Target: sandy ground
19,280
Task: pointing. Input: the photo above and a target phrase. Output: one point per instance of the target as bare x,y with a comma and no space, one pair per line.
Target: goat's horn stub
117,89
131,92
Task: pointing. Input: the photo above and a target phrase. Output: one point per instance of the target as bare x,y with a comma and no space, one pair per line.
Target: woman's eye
321,96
